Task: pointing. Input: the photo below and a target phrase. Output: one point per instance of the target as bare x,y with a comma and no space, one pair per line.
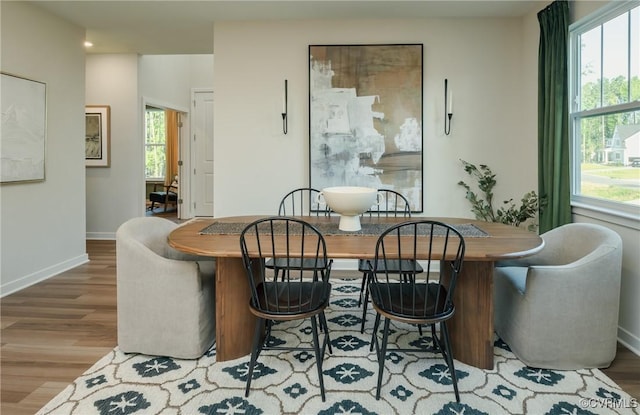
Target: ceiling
186,27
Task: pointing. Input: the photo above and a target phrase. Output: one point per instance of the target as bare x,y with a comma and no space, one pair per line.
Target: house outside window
604,107
155,144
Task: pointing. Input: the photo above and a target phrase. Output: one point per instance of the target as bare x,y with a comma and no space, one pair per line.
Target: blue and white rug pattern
287,382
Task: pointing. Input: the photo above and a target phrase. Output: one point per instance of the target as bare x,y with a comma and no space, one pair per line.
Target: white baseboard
42,275
101,235
629,340
345,265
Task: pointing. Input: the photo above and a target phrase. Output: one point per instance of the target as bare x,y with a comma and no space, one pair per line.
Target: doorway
162,137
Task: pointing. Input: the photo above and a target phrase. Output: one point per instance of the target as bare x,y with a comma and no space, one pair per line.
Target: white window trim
615,212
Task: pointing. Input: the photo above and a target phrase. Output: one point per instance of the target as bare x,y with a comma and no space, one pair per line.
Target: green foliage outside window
155,144
604,152
596,131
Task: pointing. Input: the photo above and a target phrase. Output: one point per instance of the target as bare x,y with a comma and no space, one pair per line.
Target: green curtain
553,116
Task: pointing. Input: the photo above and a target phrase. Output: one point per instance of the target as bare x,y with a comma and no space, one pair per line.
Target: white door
202,153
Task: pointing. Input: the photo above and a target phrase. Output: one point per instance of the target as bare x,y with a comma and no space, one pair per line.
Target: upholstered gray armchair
558,309
166,299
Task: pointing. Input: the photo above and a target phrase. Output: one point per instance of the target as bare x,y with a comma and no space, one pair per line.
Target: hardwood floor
55,330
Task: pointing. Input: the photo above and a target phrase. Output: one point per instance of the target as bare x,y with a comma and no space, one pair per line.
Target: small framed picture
97,136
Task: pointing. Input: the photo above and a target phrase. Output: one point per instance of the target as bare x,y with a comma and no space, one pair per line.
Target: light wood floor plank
55,330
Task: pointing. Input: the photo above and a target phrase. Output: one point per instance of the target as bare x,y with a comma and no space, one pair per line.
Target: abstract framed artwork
23,129
97,137
365,118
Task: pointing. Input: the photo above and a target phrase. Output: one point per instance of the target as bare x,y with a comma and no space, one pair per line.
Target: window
604,110
155,144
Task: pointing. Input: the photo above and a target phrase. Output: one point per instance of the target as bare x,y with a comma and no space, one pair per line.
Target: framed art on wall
365,117
97,137
23,130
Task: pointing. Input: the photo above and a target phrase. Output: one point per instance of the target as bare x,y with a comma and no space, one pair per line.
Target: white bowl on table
350,202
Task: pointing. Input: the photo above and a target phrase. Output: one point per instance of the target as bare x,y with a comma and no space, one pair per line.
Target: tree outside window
155,144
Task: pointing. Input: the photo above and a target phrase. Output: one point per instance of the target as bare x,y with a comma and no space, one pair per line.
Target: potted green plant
482,203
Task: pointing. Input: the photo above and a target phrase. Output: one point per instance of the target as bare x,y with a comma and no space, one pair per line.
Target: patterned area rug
287,383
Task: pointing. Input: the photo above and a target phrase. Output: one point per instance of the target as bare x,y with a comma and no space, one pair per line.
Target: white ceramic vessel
350,202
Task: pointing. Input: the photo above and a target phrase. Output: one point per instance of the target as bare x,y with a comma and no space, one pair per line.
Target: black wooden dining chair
292,296
423,298
390,204
302,201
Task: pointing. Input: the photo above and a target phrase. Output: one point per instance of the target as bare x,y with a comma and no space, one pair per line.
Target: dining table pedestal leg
471,327
235,324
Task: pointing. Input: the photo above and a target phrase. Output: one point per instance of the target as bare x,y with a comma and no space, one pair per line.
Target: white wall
43,224
170,78
114,194
255,163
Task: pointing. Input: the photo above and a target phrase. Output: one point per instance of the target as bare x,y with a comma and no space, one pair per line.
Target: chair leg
254,354
267,329
366,301
324,327
374,336
381,356
362,286
166,200
434,339
319,356
449,358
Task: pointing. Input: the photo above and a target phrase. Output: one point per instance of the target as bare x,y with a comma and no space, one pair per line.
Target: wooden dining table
471,328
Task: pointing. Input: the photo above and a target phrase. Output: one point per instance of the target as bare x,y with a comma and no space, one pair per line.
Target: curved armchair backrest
150,232
575,242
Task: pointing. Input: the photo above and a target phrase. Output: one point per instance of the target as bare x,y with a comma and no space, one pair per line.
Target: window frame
598,18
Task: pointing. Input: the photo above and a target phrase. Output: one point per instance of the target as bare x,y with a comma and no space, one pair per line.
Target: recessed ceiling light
87,44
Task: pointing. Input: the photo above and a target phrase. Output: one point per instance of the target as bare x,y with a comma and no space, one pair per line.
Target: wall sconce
448,109
285,115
